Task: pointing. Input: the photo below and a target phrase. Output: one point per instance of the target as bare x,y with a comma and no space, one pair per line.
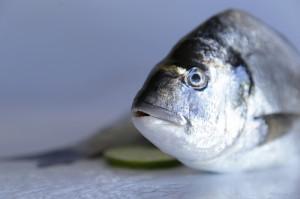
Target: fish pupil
195,78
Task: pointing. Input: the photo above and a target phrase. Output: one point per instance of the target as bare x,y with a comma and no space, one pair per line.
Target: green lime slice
139,157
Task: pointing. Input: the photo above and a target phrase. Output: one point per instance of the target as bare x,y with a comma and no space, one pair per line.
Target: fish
225,99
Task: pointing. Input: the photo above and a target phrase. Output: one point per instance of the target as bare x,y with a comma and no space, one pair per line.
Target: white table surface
96,179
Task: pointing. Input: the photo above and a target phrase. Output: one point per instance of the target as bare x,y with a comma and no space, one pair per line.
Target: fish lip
145,109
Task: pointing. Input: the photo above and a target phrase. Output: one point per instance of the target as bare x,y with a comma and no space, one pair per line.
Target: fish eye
196,79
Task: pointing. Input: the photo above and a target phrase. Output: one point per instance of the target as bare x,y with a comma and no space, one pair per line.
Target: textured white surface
95,179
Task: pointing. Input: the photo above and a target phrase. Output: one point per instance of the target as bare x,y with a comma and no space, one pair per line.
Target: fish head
193,104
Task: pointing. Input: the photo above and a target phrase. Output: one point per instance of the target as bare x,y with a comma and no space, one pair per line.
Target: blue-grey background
68,67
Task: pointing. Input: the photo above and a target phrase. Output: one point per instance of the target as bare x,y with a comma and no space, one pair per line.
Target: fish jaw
166,135
179,139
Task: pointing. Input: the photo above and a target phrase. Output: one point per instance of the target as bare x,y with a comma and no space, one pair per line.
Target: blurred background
70,67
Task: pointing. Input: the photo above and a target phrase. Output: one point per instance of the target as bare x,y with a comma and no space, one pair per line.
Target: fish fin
279,124
121,133
50,158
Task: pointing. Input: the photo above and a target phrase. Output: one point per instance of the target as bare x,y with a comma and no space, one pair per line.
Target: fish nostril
140,114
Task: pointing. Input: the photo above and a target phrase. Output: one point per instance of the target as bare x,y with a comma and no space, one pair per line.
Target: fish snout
146,109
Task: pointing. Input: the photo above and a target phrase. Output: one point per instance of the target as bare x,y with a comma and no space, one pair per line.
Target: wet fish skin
253,80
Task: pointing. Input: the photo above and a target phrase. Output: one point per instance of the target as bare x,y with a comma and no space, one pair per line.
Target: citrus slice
139,157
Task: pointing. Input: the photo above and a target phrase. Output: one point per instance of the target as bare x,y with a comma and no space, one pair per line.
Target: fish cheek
211,111
198,105
205,130
203,111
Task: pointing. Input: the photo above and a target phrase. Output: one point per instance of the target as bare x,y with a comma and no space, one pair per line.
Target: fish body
226,98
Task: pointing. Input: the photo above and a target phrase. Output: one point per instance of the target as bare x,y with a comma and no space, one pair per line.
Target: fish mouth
145,109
